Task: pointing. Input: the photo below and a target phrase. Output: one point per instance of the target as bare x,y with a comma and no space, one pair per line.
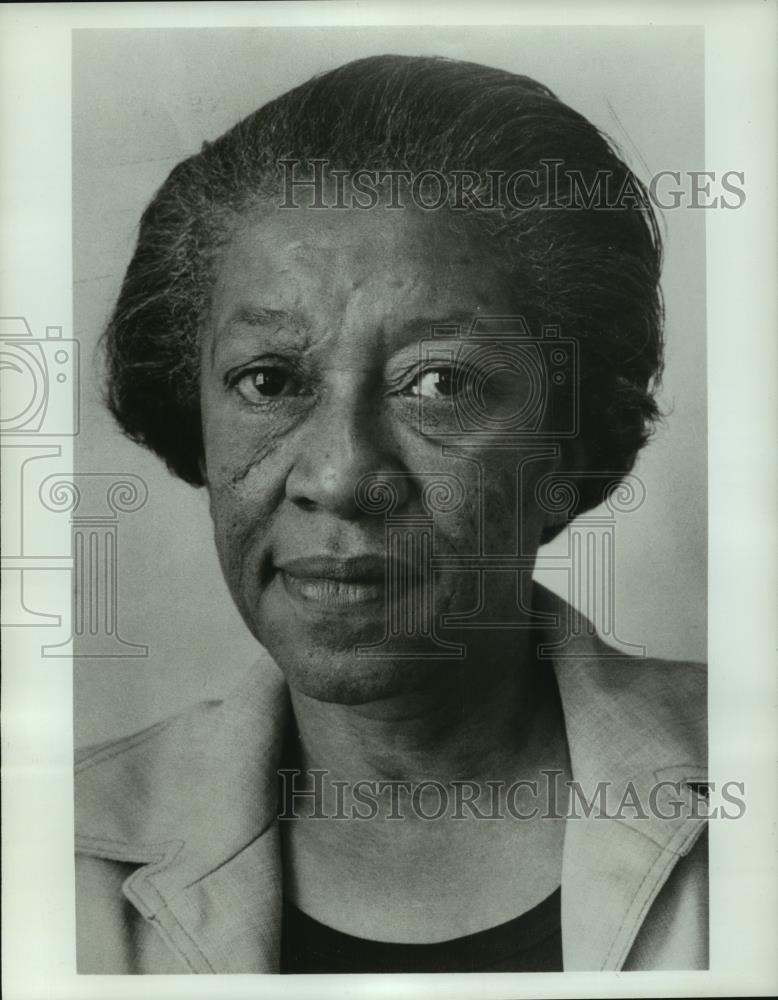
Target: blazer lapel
228,921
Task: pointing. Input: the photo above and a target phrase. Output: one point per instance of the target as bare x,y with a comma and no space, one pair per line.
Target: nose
347,437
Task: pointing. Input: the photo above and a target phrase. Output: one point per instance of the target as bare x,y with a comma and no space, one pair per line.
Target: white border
742,107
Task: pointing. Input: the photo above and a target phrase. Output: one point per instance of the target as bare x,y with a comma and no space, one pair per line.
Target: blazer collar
201,820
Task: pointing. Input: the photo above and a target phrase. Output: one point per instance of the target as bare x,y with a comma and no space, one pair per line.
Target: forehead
323,262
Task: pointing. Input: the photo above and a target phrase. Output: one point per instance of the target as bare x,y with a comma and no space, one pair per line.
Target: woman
379,320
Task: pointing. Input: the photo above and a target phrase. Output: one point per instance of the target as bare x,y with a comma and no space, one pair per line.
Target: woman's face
319,368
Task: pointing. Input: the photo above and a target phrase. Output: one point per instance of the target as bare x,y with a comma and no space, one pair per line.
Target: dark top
531,942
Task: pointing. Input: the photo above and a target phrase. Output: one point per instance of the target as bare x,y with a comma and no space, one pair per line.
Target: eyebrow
261,318
446,327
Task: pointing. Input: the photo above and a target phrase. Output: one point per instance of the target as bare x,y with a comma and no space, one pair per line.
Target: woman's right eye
265,382
439,382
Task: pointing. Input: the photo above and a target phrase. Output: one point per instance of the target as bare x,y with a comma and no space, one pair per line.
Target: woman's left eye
264,383
436,383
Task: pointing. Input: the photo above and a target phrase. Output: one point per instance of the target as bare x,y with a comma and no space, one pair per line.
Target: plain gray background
144,99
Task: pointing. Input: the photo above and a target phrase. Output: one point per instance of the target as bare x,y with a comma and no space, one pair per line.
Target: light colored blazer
178,848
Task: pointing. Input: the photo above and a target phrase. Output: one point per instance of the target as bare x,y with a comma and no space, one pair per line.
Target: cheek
241,512
235,443
500,514
230,525
245,472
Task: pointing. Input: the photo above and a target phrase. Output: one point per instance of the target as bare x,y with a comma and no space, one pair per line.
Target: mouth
329,582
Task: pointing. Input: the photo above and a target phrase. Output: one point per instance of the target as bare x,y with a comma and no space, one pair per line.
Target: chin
346,679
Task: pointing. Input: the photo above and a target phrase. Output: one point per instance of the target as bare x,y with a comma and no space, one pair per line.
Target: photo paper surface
368,492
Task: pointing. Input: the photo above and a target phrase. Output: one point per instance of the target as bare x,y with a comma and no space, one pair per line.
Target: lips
356,569
327,581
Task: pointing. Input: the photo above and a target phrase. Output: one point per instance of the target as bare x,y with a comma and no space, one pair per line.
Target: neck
488,725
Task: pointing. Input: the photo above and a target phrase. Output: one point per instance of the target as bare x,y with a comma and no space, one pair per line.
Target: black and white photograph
377,522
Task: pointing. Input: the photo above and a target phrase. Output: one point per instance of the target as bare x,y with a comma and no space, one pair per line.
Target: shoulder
145,744
114,778
672,692
627,710
148,787
668,684
639,707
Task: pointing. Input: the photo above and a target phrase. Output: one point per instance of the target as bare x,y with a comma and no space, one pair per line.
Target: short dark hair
593,271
